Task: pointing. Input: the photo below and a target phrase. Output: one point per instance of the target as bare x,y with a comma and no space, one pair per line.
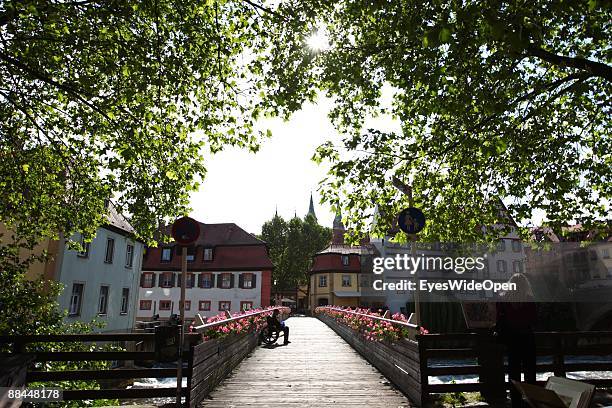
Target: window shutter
179,279
241,281
199,280
216,277
231,280
142,276
153,280
253,281
161,279
173,280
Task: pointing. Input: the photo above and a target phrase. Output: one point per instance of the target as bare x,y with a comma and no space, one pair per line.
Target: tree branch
262,8
77,94
595,68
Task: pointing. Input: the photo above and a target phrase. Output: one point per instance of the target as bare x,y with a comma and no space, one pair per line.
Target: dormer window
345,260
208,254
166,254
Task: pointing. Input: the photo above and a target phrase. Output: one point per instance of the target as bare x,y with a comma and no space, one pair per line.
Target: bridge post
558,357
492,375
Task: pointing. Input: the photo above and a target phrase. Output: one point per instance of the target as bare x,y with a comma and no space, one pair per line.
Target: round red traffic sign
185,230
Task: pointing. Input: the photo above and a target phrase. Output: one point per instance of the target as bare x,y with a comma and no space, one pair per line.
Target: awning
341,293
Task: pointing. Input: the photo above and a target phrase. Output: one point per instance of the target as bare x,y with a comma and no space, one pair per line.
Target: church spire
338,229
311,210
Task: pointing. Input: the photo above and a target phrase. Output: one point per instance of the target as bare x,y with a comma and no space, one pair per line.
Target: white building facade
101,282
228,269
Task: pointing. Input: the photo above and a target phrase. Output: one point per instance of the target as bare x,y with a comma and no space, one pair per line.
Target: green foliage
118,99
506,99
27,306
292,245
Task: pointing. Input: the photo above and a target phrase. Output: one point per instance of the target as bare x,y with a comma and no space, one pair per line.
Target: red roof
233,249
332,262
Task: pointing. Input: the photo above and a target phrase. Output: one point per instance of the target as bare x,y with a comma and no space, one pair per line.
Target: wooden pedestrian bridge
338,358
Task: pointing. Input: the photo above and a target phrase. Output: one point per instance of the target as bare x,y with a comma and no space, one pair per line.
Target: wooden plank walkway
317,369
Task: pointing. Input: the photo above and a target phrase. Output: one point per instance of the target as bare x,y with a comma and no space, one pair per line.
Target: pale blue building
102,281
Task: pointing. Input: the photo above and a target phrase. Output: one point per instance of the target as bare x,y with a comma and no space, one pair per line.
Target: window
485,270
501,245
516,245
244,306
247,281
605,253
345,260
103,300
191,253
147,280
167,280
165,305
110,249
85,246
189,281
76,299
346,280
145,304
204,305
226,281
322,281
125,300
166,254
208,254
206,280
224,305
501,266
517,267
129,256
188,305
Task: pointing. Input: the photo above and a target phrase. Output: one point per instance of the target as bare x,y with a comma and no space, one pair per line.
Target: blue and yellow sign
411,220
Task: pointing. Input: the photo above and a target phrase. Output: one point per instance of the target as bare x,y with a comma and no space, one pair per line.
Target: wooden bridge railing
27,345
409,363
213,359
209,360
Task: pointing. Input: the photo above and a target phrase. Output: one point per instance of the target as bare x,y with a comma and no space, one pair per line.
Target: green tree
117,99
292,245
112,99
502,99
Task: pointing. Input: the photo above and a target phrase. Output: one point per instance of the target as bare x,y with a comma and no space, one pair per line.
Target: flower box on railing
227,324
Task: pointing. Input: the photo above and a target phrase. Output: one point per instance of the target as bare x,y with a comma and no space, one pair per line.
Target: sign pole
413,238
185,231
179,364
417,222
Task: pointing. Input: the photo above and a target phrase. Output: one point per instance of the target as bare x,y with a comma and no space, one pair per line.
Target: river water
446,379
576,375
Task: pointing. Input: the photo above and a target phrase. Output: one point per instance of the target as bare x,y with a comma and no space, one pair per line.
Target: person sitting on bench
276,325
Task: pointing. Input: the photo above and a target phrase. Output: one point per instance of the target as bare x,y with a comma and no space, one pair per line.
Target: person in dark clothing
516,318
276,325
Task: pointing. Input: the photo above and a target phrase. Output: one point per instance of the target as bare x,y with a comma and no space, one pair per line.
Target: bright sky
246,188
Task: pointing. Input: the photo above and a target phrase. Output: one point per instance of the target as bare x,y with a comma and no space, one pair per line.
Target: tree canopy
505,100
117,99
292,244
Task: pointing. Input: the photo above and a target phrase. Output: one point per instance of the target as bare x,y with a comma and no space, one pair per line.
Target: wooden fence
27,346
209,362
409,364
